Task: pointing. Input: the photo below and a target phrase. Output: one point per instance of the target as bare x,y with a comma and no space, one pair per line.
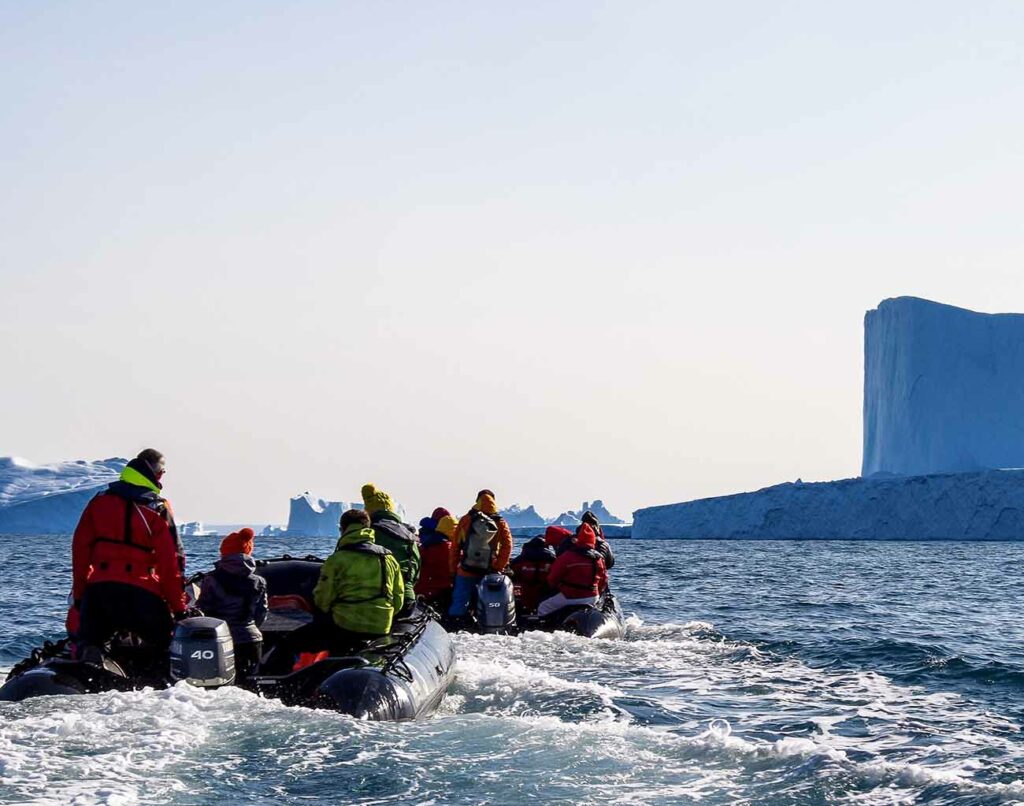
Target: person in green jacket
397,537
361,584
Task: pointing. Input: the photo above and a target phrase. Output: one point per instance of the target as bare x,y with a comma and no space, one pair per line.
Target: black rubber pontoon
605,620
401,676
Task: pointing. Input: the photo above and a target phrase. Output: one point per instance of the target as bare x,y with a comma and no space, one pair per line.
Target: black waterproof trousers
247,658
111,607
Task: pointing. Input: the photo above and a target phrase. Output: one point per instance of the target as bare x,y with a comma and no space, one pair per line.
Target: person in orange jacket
482,544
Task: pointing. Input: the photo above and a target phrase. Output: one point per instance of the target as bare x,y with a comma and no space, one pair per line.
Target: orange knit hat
239,542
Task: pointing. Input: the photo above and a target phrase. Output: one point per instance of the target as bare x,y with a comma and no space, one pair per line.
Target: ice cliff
943,389
49,499
959,506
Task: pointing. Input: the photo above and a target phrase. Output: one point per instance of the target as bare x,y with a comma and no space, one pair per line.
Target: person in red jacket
435,582
578,574
555,536
126,559
530,574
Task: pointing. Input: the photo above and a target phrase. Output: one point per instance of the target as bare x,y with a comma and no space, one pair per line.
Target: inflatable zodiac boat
401,676
495,612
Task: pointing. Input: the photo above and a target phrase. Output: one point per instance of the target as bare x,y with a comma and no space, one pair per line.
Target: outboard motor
495,605
202,652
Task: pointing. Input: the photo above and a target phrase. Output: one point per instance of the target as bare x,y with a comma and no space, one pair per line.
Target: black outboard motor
202,652
495,605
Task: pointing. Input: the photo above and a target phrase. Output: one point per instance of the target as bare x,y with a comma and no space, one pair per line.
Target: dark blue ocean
752,673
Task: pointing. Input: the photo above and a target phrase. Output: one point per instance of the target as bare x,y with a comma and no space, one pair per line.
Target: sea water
752,672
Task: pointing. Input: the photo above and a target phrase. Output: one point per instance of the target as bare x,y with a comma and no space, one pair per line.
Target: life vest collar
132,476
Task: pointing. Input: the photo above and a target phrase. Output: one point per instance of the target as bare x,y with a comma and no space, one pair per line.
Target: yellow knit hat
446,526
375,500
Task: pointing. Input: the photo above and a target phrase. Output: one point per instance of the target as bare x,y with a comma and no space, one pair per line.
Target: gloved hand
188,612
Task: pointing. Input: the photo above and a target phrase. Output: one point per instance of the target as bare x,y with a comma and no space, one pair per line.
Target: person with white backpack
482,545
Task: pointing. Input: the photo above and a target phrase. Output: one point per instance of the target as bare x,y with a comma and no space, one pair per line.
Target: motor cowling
202,652
495,604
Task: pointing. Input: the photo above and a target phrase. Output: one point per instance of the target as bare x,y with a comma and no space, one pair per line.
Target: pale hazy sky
562,250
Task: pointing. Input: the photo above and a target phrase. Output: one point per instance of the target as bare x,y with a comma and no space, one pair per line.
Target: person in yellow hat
396,537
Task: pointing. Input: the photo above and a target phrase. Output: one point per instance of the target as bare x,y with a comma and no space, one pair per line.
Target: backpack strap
127,539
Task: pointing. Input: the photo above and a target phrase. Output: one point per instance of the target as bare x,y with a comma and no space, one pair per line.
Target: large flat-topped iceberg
49,499
943,389
310,516
957,506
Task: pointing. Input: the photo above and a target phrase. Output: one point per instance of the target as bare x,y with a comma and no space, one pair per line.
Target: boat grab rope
49,649
394,654
199,576
309,558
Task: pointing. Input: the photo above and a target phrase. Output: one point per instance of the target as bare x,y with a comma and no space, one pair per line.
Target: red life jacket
530,582
120,540
435,574
579,573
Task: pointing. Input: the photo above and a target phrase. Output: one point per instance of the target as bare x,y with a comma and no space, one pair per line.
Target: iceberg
942,451
943,389
570,520
518,518
196,529
309,516
49,499
987,505
600,512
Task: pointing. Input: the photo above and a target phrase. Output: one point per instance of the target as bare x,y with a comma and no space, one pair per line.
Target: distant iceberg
520,518
49,499
309,516
195,529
